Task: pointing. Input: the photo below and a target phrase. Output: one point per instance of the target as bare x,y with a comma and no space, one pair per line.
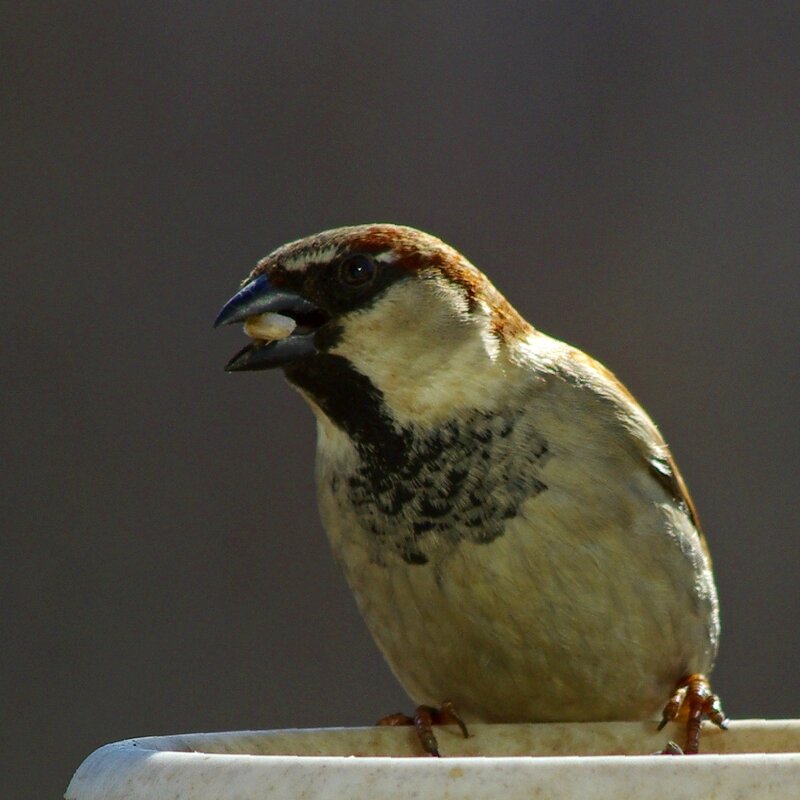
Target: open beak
289,320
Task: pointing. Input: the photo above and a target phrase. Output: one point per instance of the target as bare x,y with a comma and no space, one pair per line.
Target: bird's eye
356,270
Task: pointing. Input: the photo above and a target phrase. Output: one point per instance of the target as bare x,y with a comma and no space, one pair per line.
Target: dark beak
258,297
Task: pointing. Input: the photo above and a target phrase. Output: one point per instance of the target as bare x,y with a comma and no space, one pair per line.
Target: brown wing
661,466
665,471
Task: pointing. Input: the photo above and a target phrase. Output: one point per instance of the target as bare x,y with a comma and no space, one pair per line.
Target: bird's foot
693,701
425,717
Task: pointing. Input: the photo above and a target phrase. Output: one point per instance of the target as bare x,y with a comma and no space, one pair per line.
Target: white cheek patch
269,326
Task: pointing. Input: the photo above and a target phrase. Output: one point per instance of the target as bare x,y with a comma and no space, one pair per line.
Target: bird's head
374,312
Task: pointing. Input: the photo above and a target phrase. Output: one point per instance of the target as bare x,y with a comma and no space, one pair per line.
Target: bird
517,535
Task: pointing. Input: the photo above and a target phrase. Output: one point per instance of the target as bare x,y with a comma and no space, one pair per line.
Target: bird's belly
539,624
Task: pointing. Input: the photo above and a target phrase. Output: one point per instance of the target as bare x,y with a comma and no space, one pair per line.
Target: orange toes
693,701
425,717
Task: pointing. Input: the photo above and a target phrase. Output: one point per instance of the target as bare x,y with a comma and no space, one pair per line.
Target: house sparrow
511,522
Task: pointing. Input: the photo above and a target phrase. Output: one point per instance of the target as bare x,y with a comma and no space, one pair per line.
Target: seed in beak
269,326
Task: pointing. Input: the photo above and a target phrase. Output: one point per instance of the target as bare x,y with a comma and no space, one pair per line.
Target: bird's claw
425,717
693,701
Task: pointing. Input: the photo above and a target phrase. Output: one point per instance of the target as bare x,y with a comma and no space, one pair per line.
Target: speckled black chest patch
420,493
462,481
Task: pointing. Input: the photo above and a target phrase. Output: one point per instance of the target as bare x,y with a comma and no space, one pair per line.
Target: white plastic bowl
754,759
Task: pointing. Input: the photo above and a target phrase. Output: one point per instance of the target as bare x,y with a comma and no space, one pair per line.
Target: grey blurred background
626,173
